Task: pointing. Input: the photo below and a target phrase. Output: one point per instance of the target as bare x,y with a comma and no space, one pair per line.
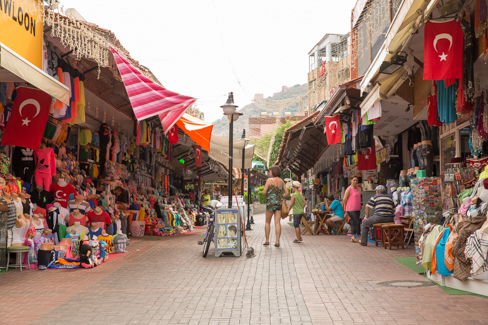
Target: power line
226,51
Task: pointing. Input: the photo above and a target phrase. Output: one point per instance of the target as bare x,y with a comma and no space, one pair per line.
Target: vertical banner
198,155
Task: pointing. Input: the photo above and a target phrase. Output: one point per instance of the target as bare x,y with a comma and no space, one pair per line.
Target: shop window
448,150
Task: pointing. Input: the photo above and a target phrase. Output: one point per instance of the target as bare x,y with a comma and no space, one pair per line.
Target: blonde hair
221,231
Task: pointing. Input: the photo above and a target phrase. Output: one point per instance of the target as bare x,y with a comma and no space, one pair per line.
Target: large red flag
173,135
28,119
443,50
367,160
198,155
333,129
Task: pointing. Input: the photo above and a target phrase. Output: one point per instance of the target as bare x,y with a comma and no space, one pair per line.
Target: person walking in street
297,204
274,189
384,211
331,204
352,205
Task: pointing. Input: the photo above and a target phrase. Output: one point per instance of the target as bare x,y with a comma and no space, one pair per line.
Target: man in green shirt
297,204
205,198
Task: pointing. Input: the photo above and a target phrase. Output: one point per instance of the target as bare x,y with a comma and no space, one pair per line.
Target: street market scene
259,162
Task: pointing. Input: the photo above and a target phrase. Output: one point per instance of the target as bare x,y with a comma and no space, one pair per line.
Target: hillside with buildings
283,105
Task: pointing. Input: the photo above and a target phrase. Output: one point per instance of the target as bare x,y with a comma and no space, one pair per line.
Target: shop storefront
85,175
418,127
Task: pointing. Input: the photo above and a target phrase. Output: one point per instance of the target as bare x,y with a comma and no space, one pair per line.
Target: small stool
379,238
19,250
393,236
340,226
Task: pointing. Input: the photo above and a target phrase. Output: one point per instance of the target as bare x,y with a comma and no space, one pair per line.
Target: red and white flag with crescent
28,119
333,129
198,155
367,160
443,50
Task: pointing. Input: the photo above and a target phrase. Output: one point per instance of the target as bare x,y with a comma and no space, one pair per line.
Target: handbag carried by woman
284,208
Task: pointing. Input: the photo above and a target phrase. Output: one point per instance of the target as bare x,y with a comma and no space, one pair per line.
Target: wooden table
320,218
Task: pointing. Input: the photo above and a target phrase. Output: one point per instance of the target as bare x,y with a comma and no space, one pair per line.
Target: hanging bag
284,208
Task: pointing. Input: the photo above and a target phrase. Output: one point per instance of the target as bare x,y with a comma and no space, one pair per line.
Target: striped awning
148,98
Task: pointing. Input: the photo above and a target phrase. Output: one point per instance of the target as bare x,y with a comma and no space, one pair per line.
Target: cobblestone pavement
325,280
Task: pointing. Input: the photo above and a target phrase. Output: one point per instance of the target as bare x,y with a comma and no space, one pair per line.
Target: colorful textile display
427,206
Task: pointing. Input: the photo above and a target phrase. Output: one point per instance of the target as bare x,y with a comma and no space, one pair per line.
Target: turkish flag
443,50
367,160
198,155
28,119
333,129
173,135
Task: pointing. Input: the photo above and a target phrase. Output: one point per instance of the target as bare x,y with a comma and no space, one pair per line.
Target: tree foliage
264,146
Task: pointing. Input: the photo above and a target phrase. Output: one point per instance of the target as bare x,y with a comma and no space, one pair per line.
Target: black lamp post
243,161
229,109
248,225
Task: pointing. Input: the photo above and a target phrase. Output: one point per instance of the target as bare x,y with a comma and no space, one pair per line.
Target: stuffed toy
103,251
94,257
85,253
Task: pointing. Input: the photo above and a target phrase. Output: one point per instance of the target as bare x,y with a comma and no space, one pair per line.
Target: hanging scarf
475,141
480,18
481,117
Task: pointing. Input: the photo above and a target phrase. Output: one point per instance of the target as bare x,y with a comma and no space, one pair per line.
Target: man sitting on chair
331,204
384,211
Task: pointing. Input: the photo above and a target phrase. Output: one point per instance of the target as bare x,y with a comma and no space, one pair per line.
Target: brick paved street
325,280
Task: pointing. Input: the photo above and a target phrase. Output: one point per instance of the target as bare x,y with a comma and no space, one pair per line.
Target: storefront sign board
228,232
21,29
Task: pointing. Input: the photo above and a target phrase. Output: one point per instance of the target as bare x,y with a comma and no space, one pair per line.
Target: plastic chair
18,250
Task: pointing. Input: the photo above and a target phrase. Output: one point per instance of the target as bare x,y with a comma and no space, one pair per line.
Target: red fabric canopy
198,130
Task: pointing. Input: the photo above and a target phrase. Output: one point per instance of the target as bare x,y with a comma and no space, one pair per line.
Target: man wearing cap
297,204
384,211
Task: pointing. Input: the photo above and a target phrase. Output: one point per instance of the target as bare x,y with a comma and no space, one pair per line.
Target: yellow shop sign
21,29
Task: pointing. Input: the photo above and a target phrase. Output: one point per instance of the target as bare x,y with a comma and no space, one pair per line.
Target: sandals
266,243
354,240
277,245
301,239
297,241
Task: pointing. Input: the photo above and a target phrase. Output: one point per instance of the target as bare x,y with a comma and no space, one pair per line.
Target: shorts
336,219
297,218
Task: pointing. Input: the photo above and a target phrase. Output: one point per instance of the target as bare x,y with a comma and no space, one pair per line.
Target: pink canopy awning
148,98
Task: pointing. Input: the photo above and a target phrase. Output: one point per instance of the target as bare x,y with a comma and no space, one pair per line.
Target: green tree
269,144
275,148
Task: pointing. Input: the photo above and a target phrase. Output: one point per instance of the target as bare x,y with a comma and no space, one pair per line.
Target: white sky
207,48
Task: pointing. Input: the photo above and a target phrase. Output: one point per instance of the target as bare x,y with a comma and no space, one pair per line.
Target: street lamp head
229,107
236,116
